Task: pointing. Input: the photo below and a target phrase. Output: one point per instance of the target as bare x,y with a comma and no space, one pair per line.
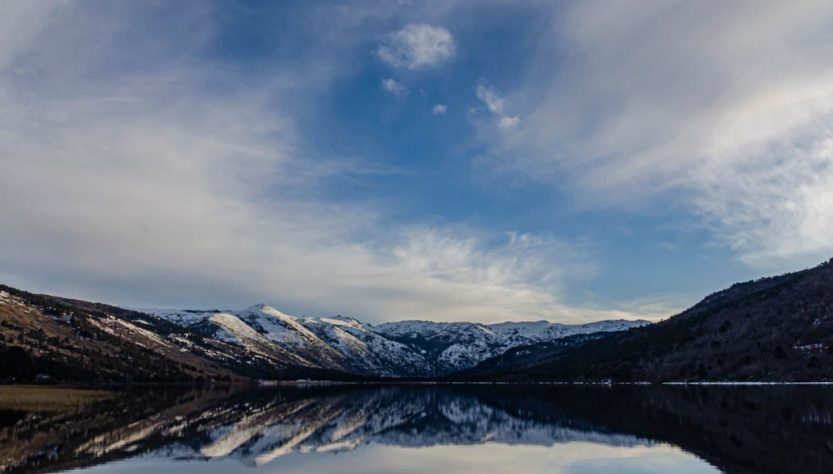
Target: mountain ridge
771,329
410,348
53,338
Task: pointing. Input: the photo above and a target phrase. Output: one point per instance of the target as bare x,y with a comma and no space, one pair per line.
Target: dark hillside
771,329
51,339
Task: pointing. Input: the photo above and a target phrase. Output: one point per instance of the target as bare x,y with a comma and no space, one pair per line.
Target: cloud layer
158,184
146,161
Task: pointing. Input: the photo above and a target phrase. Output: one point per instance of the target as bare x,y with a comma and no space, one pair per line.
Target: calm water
432,429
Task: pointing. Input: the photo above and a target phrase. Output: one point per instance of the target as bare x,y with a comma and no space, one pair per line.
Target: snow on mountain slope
457,346
180,317
233,329
399,349
287,331
367,351
252,347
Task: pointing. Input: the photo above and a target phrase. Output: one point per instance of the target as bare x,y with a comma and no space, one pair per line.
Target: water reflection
736,429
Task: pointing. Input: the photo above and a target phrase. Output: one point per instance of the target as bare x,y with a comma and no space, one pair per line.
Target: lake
422,429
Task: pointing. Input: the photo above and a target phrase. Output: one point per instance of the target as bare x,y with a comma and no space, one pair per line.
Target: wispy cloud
495,103
416,46
507,122
439,109
723,110
488,96
394,87
508,280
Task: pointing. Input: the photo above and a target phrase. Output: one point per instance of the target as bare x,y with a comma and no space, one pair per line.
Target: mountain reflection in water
736,429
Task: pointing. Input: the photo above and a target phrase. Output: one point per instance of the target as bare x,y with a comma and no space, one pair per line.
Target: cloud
506,122
723,111
159,184
495,103
779,212
417,46
439,109
488,96
508,280
394,87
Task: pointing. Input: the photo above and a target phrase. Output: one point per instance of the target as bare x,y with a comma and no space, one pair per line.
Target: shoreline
323,383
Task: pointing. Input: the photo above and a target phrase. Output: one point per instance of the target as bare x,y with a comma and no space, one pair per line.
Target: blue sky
489,160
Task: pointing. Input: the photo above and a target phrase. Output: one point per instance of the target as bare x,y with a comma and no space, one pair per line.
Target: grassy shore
45,398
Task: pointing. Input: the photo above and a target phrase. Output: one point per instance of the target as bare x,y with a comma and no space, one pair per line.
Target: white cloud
495,103
416,46
781,211
510,280
394,87
488,96
507,122
724,108
439,109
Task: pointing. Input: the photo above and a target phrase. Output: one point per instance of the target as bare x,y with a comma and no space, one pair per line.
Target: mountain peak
262,308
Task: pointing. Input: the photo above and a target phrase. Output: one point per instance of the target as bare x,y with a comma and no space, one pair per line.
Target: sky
443,160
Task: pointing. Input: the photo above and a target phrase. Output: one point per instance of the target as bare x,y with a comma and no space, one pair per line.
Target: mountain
457,346
397,349
524,357
48,337
772,329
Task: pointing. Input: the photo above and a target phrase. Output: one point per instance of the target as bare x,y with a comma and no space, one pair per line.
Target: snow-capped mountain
398,349
457,346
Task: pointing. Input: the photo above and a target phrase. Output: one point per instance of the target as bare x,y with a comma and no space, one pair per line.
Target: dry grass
50,399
